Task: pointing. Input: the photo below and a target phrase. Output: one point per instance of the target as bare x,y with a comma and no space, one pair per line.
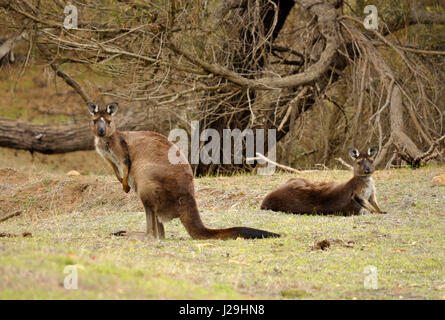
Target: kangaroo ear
112,108
92,107
372,151
353,153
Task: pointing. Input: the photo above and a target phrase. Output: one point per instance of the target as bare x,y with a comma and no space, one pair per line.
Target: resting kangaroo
302,196
140,161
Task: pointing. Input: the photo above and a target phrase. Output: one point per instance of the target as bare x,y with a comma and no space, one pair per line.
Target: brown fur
301,196
166,190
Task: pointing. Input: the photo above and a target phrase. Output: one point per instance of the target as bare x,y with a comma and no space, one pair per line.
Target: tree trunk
44,139
399,139
61,139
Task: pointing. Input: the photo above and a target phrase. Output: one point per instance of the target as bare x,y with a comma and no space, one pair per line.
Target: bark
44,139
401,140
7,46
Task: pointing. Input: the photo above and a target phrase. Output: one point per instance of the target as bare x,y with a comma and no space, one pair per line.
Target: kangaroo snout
101,132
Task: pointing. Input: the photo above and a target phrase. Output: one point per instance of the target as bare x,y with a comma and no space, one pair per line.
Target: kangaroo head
363,162
102,123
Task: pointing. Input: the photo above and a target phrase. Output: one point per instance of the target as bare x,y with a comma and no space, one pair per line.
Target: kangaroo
301,196
140,162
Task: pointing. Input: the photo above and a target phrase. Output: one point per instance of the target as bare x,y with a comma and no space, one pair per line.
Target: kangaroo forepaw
134,235
126,188
120,233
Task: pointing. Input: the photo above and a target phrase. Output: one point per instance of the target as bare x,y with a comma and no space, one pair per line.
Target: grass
406,245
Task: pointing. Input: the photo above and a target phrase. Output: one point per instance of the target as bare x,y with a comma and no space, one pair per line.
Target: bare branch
71,82
429,52
9,44
12,215
347,165
429,153
282,166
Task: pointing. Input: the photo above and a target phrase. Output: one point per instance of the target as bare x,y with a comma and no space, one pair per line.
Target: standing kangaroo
140,162
303,196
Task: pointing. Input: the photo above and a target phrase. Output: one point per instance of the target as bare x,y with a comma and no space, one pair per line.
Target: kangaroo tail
243,232
197,230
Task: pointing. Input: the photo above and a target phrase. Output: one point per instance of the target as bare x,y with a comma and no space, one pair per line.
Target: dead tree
236,68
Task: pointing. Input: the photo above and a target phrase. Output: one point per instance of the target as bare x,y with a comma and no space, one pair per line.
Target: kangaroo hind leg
153,224
161,230
154,227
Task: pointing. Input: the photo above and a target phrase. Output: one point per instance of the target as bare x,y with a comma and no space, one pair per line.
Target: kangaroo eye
108,121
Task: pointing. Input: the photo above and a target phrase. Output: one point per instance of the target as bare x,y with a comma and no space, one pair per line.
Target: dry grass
70,219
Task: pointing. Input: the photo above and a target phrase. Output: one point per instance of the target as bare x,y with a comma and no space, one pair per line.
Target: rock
7,235
439,180
73,173
321,245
